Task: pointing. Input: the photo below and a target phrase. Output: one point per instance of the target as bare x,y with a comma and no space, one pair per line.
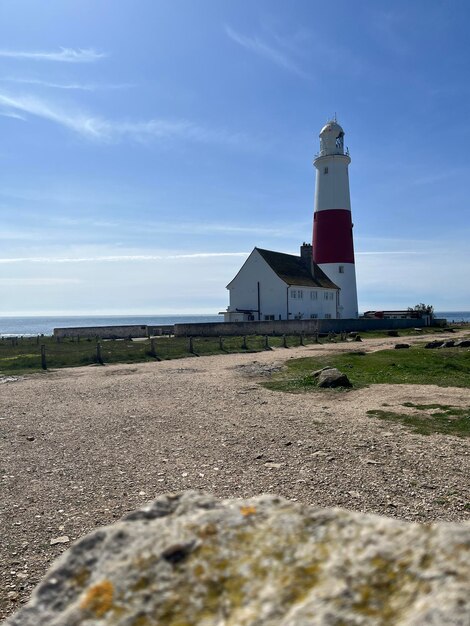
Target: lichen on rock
190,559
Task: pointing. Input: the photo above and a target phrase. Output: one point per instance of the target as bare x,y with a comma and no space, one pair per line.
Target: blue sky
147,146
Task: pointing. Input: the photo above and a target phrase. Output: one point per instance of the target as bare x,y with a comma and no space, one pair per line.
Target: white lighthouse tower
333,248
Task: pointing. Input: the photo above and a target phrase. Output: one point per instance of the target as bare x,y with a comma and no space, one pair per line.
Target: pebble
57,540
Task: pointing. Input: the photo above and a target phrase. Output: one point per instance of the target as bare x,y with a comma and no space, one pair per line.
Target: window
269,318
293,293
325,170
314,295
341,269
300,294
326,295
330,295
327,316
313,316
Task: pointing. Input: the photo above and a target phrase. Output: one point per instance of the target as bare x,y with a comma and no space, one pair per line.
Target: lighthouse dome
331,127
331,139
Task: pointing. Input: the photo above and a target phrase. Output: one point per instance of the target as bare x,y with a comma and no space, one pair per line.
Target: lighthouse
333,248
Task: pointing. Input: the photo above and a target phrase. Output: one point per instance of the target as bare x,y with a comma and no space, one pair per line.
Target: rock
192,559
30,438
273,465
401,346
332,377
357,338
434,344
317,373
450,343
418,330
463,343
57,540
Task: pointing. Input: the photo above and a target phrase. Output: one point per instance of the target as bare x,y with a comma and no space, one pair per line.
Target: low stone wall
293,327
103,332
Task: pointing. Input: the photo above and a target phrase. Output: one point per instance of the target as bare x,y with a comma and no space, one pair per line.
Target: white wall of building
244,289
305,302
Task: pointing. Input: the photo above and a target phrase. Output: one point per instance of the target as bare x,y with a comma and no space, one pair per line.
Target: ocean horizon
31,326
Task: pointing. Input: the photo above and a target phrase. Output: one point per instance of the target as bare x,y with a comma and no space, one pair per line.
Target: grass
430,418
444,367
23,355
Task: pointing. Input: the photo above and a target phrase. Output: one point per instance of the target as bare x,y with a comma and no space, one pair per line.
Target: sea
33,326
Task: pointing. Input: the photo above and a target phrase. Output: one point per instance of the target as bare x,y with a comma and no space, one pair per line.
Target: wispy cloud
269,52
124,257
14,116
64,55
39,281
98,128
67,86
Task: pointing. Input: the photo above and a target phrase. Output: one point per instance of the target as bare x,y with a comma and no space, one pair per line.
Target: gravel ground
80,447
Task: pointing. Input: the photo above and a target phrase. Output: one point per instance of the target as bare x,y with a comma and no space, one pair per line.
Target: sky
147,146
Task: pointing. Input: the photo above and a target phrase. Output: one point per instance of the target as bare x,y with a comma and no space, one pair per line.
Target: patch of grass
450,420
446,367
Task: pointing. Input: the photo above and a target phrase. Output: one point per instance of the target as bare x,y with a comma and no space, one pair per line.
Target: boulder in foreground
195,560
332,377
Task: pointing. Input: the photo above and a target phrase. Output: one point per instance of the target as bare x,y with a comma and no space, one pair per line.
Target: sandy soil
80,447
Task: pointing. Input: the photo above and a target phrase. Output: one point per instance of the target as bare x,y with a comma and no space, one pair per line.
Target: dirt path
82,446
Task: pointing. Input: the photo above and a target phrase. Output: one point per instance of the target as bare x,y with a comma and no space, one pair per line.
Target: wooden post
153,351
221,343
302,339
266,342
284,341
99,358
190,346
244,346
43,357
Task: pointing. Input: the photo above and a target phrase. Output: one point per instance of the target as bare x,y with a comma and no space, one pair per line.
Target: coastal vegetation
446,367
426,419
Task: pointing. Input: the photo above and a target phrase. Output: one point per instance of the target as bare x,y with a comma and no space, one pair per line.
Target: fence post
244,346
153,351
302,339
43,357
190,346
99,358
284,341
266,342
221,343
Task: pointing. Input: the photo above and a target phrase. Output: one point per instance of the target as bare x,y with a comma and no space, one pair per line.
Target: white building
321,282
277,286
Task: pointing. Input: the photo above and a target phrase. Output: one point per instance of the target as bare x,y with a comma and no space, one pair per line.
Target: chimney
306,253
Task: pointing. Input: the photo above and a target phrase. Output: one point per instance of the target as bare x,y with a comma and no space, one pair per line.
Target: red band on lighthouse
332,237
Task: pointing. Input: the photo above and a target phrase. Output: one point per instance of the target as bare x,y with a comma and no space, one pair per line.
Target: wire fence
18,354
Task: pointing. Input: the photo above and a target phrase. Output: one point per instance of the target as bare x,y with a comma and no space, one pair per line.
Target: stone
192,559
463,343
401,346
332,377
57,540
317,373
450,343
434,344
357,338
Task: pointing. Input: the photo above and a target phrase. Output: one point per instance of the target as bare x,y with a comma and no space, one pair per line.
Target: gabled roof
293,270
